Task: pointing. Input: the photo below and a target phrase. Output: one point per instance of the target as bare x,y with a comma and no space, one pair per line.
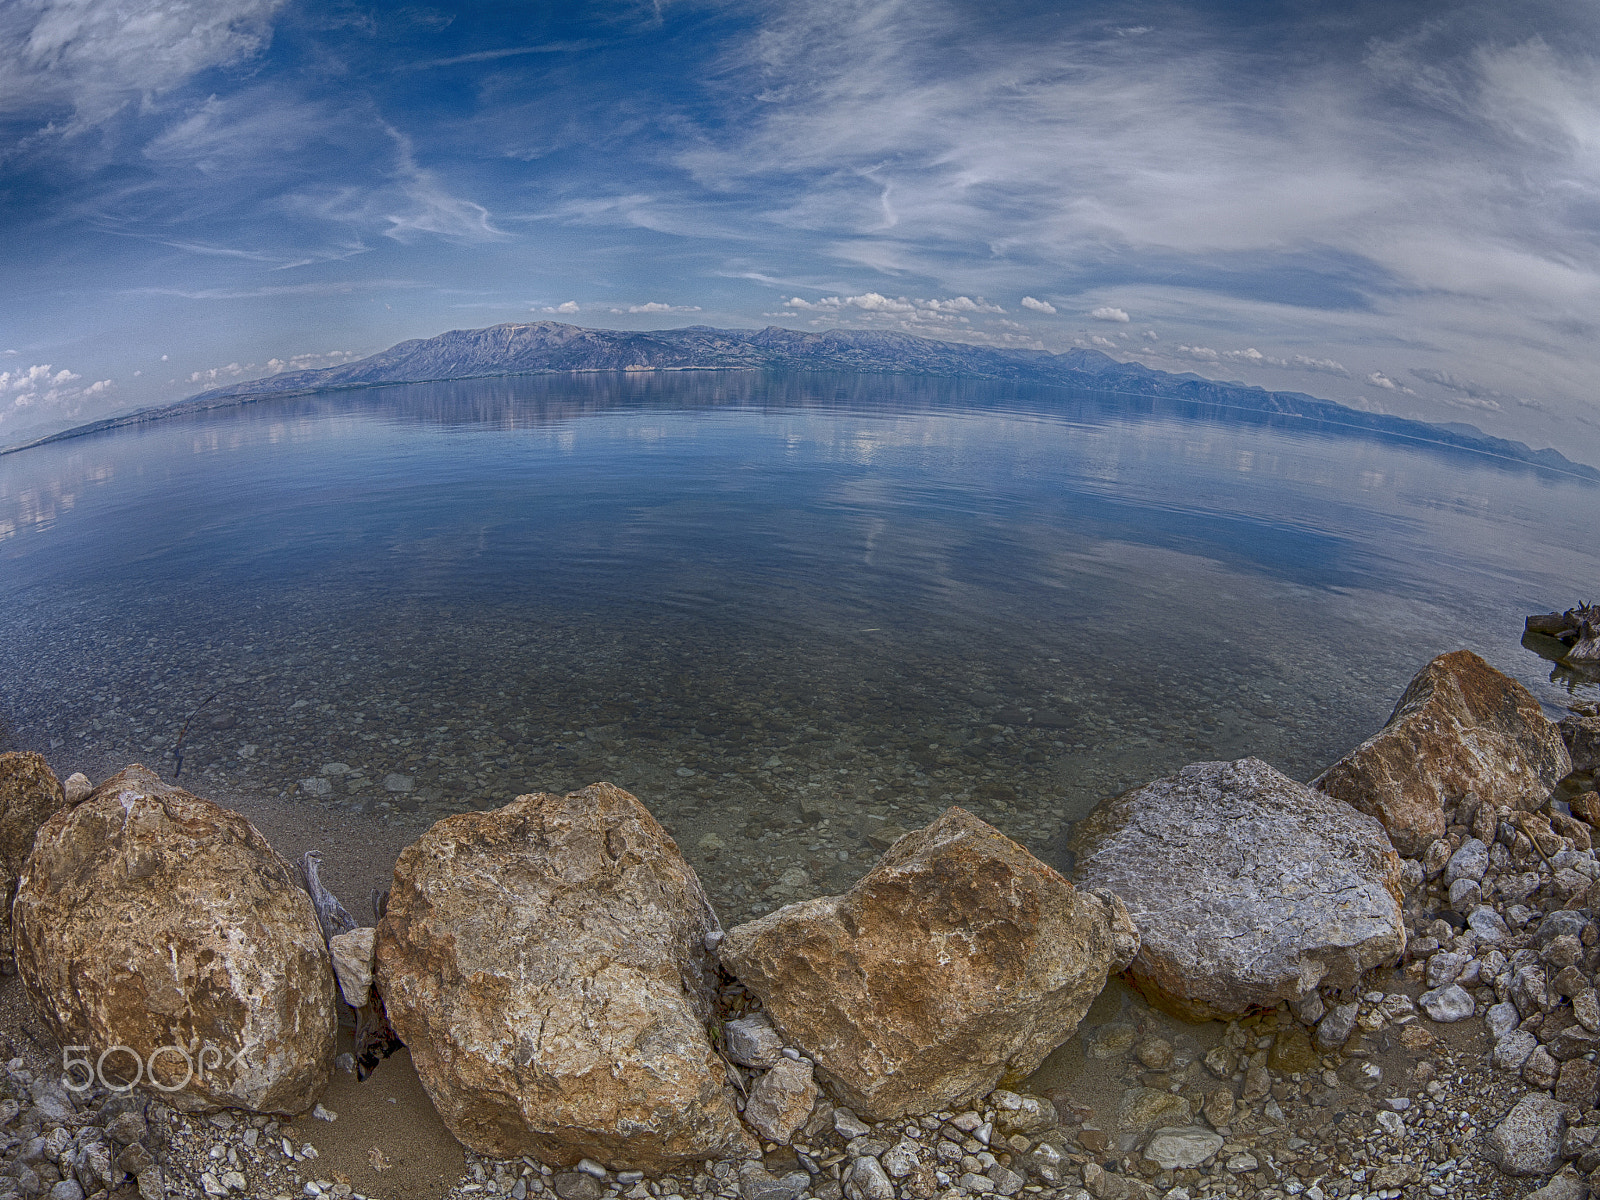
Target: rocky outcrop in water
151,919
30,794
959,958
546,964
1249,890
1461,729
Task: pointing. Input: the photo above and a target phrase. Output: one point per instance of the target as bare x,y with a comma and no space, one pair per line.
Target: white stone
868,1179
1488,925
1444,968
1469,862
752,1041
1448,1004
1502,1018
352,955
1182,1147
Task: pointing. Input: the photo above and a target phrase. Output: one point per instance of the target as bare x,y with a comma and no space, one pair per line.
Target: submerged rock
30,795
151,919
1461,728
957,959
546,965
1249,889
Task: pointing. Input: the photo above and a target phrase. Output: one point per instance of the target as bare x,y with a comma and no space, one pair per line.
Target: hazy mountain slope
552,346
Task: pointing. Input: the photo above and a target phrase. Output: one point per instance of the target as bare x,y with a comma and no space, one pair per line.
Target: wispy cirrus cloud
83,60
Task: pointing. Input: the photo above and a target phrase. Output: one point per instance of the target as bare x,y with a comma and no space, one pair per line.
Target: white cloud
1468,392
1379,380
1150,335
1103,343
1107,313
1199,353
91,57
1325,366
566,306
1043,306
877,303
308,362
653,306
42,387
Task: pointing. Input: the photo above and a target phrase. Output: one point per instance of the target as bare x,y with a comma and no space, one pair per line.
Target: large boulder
1249,889
149,919
957,960
30,794
1461,728
546,963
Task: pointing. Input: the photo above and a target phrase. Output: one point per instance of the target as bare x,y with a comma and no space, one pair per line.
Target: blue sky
1393,205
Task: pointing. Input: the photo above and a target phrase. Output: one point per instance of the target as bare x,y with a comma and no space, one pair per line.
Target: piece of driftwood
332,917
1578,629
375,1038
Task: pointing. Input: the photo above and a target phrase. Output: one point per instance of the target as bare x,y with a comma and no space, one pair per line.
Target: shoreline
1406,1103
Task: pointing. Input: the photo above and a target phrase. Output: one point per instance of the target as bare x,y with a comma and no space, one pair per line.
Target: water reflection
795,613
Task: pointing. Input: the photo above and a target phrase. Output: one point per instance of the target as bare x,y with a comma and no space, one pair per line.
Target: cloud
1103,343
874,302
1325,366
1106,313
42,387
1250,356
309,362
1043,306
566,306
92,57
1379,380
653,306
1467,392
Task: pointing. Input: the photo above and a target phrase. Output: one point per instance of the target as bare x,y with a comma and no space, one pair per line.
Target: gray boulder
1528,1140
1248,889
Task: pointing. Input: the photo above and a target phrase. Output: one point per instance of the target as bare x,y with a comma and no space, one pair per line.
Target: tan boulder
546,965
1461,728
958,960
150,919
1249,889
30,794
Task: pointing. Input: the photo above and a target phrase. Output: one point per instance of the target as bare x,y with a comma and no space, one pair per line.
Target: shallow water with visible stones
795,614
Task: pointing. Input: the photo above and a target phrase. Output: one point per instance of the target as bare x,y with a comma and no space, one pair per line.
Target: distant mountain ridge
549,346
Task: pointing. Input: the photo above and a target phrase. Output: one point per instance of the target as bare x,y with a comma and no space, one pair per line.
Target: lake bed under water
795,614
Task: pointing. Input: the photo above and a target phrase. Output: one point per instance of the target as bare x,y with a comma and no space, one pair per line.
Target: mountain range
551,346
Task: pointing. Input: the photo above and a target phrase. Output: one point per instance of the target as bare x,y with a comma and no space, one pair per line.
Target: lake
794,614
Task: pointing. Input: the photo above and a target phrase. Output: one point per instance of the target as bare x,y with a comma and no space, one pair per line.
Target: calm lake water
794,614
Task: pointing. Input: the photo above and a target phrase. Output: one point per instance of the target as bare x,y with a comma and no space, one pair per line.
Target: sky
1393,205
